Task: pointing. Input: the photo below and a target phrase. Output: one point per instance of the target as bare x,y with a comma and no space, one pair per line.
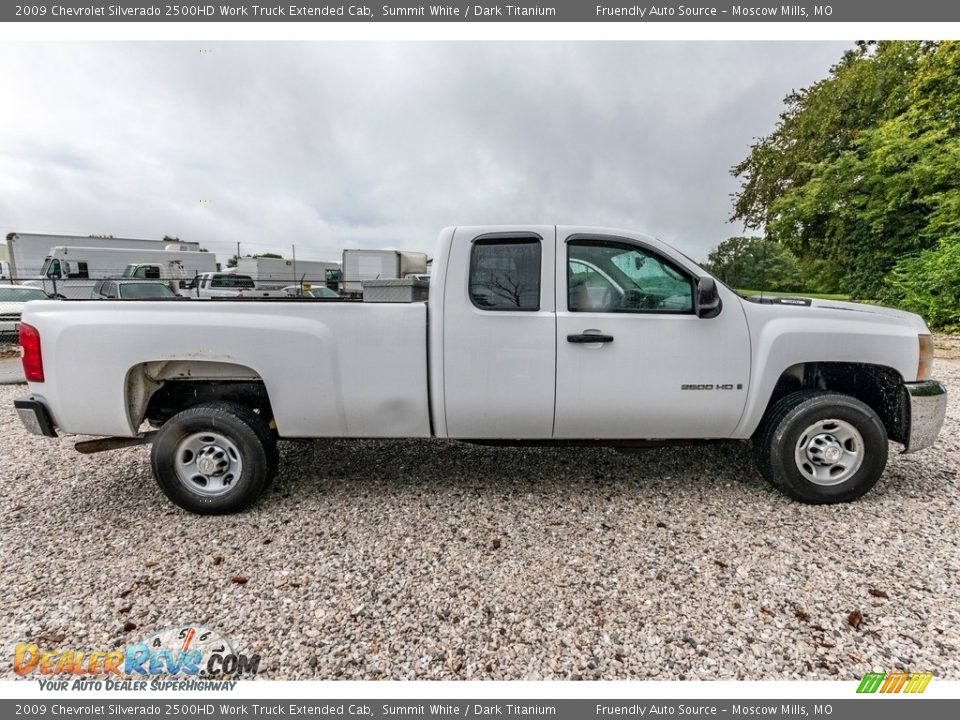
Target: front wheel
214,459
822,447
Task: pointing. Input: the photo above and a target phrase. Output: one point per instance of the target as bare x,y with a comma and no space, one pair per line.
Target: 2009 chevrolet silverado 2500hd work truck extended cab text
531,334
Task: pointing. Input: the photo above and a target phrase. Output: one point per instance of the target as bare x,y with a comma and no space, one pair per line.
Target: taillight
32,359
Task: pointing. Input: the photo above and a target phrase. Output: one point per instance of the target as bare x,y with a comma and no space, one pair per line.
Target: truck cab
570,334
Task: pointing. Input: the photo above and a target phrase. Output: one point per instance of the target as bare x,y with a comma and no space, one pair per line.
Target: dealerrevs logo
897,682
183,650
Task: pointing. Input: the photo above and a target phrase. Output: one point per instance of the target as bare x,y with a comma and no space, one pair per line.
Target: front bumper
35,416
928,407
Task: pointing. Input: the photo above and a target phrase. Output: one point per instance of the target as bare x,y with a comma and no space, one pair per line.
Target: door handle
583,338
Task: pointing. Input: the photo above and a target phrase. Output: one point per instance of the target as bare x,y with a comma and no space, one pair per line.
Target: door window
606,276
505,274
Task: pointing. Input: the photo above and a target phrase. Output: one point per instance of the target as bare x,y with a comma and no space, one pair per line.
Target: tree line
857,189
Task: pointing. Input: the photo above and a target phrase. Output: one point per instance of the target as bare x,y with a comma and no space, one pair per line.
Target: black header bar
483,11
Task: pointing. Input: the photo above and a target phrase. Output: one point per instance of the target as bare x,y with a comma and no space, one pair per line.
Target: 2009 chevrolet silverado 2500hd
531,334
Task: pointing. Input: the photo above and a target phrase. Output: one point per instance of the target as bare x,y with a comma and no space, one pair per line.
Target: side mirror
707,298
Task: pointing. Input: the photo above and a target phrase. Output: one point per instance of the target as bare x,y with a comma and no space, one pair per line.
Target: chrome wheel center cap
207,465
832,454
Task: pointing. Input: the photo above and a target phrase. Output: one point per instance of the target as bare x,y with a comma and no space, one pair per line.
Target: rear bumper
928,407
35,416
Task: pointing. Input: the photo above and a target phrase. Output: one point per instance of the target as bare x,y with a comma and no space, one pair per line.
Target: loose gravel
412,559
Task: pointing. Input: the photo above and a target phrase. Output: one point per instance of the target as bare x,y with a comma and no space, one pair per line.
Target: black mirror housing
707,299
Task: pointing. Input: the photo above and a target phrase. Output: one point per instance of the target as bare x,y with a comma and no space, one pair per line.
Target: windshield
322,292
51,268
705,271
16,294
145,291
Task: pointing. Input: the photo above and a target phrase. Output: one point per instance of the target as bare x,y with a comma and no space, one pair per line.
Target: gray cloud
333,145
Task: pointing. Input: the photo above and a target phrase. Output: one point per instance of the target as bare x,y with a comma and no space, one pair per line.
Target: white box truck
360,265
72,272
27,252
274,273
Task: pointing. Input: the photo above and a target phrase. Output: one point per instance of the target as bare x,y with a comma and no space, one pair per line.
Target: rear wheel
214,458
821,447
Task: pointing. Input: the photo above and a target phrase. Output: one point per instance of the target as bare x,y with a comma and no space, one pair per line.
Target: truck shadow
365,467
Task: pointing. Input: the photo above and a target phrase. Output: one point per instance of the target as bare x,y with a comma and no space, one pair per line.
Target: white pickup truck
536,334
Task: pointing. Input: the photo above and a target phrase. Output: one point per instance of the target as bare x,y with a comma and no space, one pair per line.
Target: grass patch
819,296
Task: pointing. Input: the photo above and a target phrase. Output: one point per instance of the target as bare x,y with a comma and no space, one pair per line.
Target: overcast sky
330,145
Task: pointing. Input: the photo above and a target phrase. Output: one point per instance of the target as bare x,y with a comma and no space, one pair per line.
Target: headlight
926,357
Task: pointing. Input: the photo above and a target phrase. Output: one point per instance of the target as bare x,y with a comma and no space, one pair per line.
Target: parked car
12,300
315,291
132,290
227,285
532,335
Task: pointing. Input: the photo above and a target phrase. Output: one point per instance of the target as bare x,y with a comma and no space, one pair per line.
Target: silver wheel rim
208,463
829,452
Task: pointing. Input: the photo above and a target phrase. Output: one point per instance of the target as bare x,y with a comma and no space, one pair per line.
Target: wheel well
156,391
877,386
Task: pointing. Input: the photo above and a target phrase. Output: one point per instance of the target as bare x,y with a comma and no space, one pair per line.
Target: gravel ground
415,559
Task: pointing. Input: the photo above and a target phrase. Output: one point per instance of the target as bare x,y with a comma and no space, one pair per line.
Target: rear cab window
505,274
232,281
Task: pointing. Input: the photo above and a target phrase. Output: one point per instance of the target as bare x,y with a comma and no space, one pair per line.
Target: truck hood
850,310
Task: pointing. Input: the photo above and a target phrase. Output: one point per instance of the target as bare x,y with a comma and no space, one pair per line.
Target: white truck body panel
331,370
27,251
782,336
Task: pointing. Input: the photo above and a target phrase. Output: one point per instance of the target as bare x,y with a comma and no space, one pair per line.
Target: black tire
245,444
778,439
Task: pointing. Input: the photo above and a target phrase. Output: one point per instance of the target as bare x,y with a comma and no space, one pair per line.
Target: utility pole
238,252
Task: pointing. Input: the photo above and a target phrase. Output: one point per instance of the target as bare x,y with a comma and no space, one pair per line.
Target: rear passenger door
500,335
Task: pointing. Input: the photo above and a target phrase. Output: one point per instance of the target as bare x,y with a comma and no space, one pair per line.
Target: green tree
929,283
863,168
269,255
754,263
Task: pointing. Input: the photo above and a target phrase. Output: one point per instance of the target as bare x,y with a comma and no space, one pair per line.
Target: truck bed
337,369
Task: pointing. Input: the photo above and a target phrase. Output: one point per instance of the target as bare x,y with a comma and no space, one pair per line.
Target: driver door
634,361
